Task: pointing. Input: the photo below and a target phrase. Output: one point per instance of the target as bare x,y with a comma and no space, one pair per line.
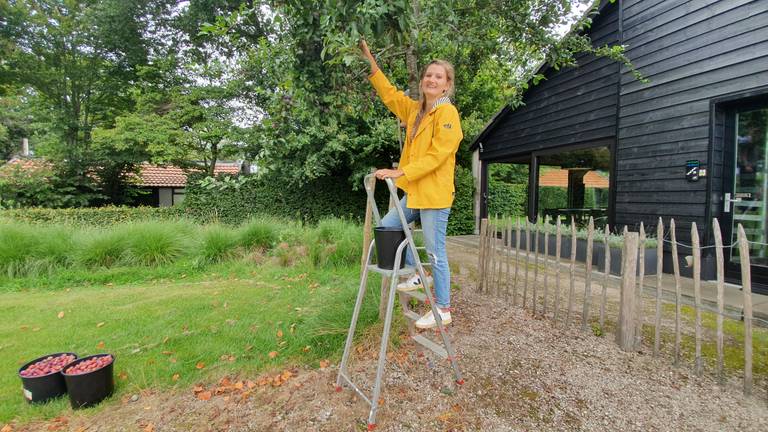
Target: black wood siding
693,52
572,106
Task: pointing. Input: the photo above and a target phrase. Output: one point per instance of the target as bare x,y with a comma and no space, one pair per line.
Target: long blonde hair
449,76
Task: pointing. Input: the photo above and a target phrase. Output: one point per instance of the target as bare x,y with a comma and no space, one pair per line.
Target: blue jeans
434,223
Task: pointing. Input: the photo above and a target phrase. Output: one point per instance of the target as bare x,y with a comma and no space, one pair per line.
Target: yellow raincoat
428,160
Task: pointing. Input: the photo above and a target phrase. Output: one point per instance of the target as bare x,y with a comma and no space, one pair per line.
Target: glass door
750,185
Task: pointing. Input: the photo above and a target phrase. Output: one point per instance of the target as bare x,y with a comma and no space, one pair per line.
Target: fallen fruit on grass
48,365
90,365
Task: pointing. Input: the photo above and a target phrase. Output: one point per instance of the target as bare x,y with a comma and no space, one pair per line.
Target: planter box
598,252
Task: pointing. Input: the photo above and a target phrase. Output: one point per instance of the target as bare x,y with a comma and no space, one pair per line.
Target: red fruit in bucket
47,366
90,365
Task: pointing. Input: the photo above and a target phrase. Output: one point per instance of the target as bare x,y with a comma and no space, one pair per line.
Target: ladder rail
355,315
385,339
422,275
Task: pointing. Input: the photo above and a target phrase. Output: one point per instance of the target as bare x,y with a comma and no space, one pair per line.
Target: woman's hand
388,173
368,56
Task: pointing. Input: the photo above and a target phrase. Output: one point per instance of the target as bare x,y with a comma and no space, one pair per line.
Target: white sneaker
428,320
413,283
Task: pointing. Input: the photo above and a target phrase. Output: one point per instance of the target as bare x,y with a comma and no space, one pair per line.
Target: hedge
507,199
94,216
552,197
234,199
462,218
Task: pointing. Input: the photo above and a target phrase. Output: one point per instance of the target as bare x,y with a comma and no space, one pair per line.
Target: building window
574,184
178,195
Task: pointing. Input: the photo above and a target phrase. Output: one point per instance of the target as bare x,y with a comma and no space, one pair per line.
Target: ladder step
386,272
426,343
421,248
418,295
411,315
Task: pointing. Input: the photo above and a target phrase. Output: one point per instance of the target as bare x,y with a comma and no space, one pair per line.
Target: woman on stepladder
426,169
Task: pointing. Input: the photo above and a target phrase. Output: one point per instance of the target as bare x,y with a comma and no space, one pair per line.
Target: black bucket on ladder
387,241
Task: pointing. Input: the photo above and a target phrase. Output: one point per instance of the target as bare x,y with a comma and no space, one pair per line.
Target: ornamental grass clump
334,242
53,250
101,247
218,244
32,251
155,243
260,233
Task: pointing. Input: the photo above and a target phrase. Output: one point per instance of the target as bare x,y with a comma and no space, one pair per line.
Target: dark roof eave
489,127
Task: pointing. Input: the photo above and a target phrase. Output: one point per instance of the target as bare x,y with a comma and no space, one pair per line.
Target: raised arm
397,102
368,56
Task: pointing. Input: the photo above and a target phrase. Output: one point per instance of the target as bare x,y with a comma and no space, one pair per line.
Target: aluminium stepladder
446,351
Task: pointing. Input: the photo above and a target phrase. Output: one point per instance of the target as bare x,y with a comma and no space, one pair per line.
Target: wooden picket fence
504,270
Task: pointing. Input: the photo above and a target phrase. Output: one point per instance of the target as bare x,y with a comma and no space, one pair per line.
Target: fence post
546,264
535,265
697,294
588,275
509,256
659,265
639,289
625,336
720,297
607,275
527,259
746,284
676,268
502,253
517,261
558,244
483,253
572,288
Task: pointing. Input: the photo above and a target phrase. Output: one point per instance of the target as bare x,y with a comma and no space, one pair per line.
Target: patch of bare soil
523,373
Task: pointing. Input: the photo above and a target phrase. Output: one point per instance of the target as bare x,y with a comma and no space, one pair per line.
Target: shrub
233,200
507,199
462,218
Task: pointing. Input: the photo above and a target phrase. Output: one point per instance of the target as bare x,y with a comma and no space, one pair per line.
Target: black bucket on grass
88,389
387,241
39,389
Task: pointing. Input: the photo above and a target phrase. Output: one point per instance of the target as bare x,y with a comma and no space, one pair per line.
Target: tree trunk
411,57
413,71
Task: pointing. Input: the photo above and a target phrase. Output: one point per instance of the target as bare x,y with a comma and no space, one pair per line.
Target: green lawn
228,318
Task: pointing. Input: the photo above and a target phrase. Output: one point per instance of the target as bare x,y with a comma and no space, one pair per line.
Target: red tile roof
150,175
559,178
171,176
23,164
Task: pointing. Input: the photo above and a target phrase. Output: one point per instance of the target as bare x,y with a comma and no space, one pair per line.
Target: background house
162,186
690,144
166,184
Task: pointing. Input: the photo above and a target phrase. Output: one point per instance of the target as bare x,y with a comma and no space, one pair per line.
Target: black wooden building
689,144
